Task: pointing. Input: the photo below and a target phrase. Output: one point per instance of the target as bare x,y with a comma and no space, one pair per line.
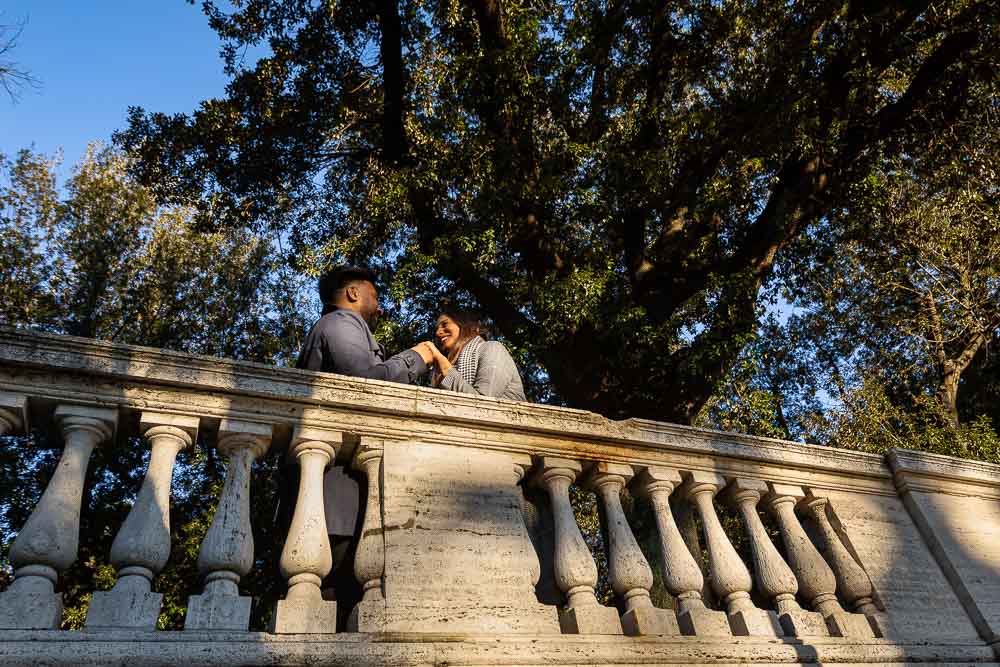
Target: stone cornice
921,471
110,362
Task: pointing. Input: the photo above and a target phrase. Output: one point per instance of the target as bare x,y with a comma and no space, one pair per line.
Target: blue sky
96,58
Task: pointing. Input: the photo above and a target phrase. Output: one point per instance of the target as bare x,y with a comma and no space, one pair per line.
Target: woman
469,363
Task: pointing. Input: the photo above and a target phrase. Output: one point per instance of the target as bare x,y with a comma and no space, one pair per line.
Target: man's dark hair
340,277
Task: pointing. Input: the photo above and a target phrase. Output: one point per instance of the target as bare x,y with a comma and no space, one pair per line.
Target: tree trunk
948,393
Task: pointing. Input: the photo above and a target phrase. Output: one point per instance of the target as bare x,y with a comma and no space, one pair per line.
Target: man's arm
347,342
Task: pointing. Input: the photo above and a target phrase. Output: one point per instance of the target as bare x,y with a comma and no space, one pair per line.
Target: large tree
893,309
611,180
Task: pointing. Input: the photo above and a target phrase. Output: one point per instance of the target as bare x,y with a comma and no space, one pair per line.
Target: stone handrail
468,531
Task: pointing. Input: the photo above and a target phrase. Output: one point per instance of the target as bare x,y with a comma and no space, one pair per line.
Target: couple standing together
462,360
342,342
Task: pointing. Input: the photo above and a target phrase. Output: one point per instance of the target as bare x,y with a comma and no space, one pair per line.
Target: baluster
523,463
575,571
630,574
681,574
142,545
13,413
774,578
685,515
729,577
369,559
816,580
541,535
49,540
227,551
852,580
306,557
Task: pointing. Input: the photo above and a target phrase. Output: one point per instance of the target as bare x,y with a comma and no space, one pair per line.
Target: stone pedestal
846,624
455,555
704,622
650,621
593,619
36,610
218,611
304,617
368,615
881,626
802,623
133,609
755,622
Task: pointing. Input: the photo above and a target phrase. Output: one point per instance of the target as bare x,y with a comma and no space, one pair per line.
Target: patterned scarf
468,359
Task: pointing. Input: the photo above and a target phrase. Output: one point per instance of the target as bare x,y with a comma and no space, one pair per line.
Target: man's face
369,307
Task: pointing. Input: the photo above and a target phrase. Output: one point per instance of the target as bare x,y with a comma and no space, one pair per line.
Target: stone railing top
913,469
586,432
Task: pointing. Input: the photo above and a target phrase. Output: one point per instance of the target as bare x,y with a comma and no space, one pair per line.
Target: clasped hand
432,356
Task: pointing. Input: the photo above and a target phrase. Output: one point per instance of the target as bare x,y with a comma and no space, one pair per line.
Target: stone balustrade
469,550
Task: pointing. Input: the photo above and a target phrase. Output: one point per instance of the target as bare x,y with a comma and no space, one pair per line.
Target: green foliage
892,310
869,421
100,258
105,261
613,182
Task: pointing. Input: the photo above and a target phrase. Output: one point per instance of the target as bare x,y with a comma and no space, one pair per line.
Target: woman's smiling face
447,333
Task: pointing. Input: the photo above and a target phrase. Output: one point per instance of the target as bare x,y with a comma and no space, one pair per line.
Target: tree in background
613,182
897,299
106,261
100,258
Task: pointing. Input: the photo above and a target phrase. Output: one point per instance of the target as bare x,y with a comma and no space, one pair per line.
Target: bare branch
13,78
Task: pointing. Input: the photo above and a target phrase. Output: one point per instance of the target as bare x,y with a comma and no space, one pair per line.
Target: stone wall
877,560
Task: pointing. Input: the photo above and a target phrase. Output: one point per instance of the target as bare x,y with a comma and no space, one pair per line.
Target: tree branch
394,143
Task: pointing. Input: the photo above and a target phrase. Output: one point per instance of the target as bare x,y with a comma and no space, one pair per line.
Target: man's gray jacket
341,342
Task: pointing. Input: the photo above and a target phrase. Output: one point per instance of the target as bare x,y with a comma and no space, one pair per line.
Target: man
342,341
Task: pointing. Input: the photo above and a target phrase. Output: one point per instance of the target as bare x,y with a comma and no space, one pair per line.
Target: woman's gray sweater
496,375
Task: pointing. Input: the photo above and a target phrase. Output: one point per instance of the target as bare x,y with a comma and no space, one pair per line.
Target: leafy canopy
611,181
98,257
894,309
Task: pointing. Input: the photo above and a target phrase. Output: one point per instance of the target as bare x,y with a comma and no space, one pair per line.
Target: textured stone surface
218,611
845,624
134,609
306,557
956,506
304,616
908,582
30,611
801,623
932,563
13,413
629,572
704,622
226,552
590,619
227,388
142,546
47,544
642,621
186,649
755,623
455,555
